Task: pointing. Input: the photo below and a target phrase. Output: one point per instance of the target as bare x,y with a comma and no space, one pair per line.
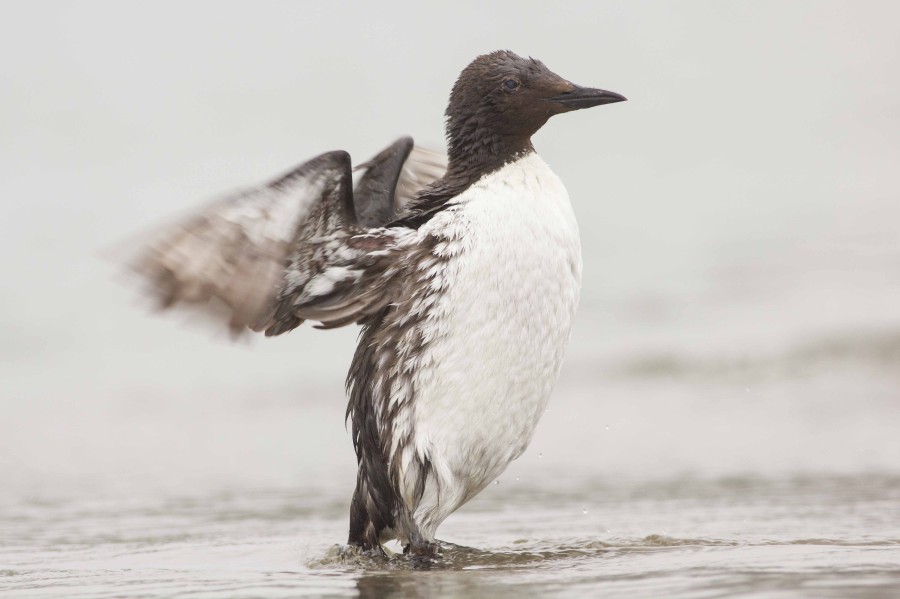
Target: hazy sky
755,165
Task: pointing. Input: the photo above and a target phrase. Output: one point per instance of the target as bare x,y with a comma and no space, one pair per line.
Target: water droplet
606,427
540,455
748,389
496,482
584,511
518,479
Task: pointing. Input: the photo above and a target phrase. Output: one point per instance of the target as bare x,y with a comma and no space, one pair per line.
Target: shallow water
701,479
810,536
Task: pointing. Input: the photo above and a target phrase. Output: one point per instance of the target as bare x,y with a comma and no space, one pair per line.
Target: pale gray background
739,215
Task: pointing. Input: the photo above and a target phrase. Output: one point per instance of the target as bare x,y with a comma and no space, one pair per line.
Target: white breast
498,329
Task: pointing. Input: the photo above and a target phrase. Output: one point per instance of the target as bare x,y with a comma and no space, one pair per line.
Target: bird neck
473,153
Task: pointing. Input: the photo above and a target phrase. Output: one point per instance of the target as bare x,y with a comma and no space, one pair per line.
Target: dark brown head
500,100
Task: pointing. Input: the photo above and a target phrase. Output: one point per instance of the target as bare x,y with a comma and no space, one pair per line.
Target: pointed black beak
585,97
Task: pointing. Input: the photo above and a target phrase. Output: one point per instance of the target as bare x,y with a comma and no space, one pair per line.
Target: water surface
670,480
812,536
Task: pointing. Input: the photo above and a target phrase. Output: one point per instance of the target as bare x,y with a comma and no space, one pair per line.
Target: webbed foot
423,554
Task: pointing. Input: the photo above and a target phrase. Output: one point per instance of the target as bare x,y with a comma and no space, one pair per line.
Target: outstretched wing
392,180
231,258
423,168
339,276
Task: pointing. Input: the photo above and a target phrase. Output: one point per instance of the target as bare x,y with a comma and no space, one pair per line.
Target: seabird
464,275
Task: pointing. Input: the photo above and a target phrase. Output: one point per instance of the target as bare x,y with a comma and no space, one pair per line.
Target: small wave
667,541
528,554
522,554
837,542
451,557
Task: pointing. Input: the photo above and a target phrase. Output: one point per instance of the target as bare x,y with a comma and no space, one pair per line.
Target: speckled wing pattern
269,257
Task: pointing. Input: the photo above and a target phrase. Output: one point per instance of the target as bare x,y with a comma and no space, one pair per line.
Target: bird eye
510,85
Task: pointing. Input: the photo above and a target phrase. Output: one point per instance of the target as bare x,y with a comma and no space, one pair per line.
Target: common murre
465,282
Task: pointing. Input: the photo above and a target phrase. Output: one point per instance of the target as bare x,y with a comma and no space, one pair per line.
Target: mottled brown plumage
230,258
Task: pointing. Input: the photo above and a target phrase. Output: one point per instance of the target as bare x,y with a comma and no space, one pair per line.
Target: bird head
501,99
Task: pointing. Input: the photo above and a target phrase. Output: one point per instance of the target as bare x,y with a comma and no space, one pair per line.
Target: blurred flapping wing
232,254
246,255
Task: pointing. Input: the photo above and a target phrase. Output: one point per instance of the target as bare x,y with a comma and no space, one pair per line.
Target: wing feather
293,249
421,169
233,253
